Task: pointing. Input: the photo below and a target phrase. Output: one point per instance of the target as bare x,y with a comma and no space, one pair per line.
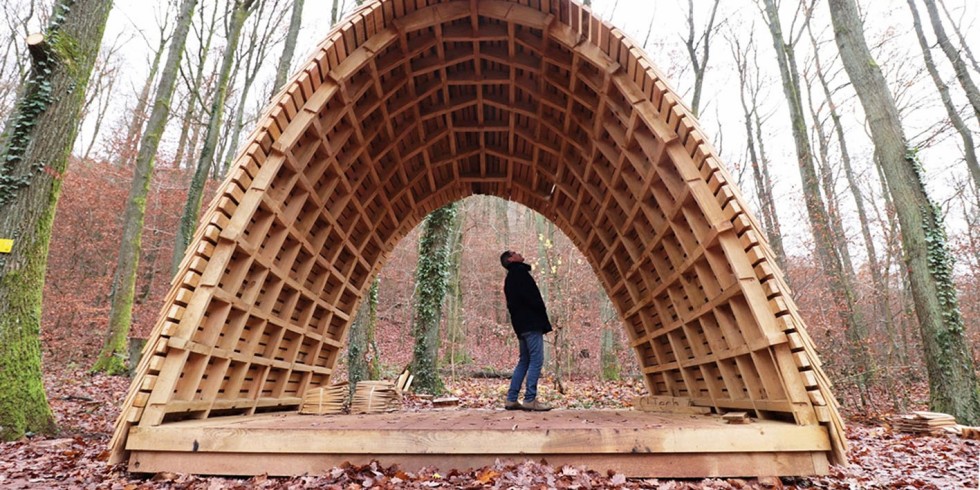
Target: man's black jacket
524,302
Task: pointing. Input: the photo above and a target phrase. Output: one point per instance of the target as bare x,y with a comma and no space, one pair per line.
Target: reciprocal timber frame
409,105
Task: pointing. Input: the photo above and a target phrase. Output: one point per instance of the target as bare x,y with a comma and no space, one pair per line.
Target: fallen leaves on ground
86,406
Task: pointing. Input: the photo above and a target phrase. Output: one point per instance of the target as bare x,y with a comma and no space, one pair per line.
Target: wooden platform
634,443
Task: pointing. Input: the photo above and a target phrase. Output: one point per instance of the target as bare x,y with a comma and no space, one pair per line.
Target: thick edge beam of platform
713,438
662,465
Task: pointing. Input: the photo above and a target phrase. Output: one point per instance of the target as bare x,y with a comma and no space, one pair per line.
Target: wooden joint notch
593,54
420,19
293,131
241,220
565,35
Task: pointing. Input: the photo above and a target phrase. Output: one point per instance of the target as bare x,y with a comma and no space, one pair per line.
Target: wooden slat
641,466
567,432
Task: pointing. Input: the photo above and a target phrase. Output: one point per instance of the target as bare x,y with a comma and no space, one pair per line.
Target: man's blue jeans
529,364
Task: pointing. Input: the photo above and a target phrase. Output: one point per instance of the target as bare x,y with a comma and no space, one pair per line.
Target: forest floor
86,407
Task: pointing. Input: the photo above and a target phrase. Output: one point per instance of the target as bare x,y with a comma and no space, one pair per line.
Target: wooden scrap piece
404,382
445,401
736,418
967,432
324,400
374,397
924,422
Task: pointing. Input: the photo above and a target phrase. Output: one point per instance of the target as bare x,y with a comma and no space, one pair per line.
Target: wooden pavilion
409,105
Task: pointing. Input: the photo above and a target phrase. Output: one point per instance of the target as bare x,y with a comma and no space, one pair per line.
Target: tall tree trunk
184,137
551,292
969,148
103,108
188,220
841,289
360,340
703,42
962,72
862,362
893,254
455,332
768,185
881,300
112,359
194,90
260,37
501,208
133,134
289,48
33,158
431,281
767,207
959,35
953,384
334,17
609,344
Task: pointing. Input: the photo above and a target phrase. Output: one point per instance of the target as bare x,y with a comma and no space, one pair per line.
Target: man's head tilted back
505,258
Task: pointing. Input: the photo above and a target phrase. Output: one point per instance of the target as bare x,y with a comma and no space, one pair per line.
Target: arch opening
411,105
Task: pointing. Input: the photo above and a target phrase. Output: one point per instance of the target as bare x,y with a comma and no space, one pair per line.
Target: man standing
529,317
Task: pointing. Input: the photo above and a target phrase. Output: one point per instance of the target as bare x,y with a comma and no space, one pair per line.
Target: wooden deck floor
631,442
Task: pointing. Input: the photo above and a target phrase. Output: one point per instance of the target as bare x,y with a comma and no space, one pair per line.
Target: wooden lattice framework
412,104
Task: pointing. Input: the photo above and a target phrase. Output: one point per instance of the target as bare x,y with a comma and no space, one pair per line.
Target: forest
848,127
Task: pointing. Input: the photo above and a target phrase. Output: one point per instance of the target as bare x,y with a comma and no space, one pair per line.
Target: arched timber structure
412,104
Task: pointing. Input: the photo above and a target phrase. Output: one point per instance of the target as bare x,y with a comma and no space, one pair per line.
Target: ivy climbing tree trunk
114,355
953,385
37,141
188,220
431,281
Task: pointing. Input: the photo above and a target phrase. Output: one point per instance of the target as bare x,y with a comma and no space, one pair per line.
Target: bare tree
969,148
193,80
962,73
841,289
112,359
750,88
135,128
267,22
877,279
105,77
959,35
188,221
702,43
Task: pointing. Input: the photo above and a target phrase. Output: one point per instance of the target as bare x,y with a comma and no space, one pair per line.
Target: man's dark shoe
513,406
536,406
